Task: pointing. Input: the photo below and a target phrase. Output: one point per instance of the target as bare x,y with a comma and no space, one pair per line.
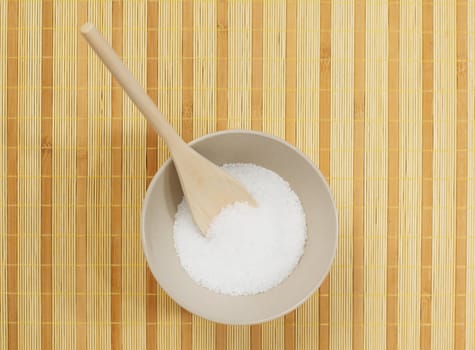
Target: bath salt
247,250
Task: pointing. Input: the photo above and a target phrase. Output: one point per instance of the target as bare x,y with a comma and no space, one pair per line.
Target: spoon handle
131,86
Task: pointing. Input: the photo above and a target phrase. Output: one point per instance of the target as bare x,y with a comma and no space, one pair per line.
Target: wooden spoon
206,187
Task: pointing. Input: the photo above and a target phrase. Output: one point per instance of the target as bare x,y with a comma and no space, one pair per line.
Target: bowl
238,146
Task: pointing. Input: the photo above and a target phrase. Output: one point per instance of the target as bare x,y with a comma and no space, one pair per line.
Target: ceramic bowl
238,146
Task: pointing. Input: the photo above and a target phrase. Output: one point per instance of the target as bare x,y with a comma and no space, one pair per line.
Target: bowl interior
164,193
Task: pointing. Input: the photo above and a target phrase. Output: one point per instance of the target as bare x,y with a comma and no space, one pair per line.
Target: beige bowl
159,207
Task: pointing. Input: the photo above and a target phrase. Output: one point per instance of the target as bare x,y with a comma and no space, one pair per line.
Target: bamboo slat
239,64
3,181
444,166
29,176
376,174
470,262
410,167
98,239
63,219
341,168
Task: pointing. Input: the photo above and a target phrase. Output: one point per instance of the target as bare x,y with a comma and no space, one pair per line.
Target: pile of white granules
247,250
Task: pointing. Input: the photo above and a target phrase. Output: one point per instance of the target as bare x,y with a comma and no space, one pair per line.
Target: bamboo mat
380,94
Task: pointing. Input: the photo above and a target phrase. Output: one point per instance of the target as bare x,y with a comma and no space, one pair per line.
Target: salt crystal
248,250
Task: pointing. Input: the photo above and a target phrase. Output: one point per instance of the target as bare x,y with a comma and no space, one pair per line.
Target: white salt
248,250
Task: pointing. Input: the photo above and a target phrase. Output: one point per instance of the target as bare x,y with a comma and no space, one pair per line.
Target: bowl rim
184,304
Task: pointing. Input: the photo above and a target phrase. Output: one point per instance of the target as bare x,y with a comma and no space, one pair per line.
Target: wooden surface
380,94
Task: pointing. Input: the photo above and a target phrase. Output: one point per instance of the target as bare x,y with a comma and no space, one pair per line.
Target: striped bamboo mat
380,94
